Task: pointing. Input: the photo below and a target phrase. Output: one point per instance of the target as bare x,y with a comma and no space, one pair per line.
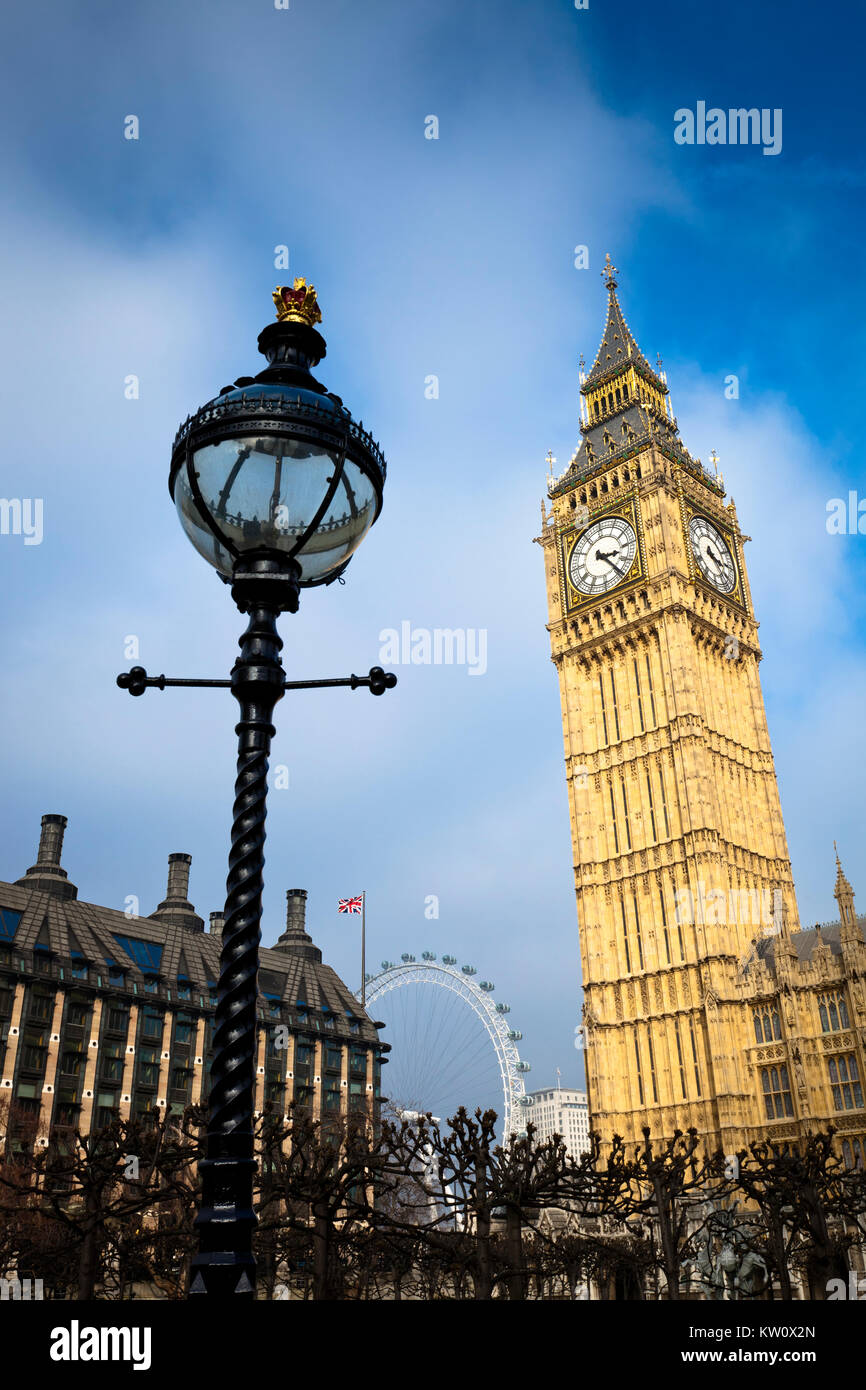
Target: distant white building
560,1111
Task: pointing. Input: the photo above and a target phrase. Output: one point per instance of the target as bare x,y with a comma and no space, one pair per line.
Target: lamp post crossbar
136,681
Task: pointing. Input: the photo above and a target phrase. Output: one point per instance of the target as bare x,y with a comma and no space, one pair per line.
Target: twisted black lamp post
276,486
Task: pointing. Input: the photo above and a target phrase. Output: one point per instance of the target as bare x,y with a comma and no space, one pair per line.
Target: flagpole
363,950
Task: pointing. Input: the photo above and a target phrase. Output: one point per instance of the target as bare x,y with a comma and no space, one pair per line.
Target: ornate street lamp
276,486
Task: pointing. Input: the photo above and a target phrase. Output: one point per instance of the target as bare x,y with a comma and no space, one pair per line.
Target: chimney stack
295,938
46,875
176,909
51,840
296,909
177,889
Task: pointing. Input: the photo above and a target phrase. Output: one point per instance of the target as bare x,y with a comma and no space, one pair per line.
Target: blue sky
451,257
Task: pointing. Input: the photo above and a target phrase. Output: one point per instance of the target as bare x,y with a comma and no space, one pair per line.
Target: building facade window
777,1092
40,1007
112,1061
184,1029
118,1019
833,1012
106,1108
77,1013
768,1026
72,1060
845,1082
148,1066
9,920
151,1023
79,966
33,1048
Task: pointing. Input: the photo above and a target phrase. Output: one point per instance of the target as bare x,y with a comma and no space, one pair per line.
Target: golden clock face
712,555
603,555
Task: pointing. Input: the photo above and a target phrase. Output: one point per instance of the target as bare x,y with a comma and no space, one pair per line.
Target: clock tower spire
680,858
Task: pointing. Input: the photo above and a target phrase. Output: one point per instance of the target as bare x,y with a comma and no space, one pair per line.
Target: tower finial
609,273
843,892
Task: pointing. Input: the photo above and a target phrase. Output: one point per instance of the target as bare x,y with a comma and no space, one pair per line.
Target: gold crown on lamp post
297,303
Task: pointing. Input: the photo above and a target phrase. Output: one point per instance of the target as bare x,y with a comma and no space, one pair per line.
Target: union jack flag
349,905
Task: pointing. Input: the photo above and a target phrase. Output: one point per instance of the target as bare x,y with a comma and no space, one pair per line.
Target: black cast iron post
225,1265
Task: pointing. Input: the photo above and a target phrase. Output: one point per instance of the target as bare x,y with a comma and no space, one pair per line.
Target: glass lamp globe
275,466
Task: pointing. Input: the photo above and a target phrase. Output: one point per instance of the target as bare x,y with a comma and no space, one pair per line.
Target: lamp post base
225,1266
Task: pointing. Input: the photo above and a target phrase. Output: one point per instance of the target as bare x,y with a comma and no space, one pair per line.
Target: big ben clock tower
680,856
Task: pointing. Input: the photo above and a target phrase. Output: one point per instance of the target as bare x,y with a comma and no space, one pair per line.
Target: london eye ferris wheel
452,1044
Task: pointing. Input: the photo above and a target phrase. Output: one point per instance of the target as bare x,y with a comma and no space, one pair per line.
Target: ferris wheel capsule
469,970
449,960
503,1008
407,959
428,955
486,985
524,1066
515,1034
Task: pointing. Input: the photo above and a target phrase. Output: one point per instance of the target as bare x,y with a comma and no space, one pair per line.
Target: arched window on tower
833,1012
768,1024
777,1092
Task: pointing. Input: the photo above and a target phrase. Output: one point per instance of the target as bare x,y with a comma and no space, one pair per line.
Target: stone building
105,1015
704,1002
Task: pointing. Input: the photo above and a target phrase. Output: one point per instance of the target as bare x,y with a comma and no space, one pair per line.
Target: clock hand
602,555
